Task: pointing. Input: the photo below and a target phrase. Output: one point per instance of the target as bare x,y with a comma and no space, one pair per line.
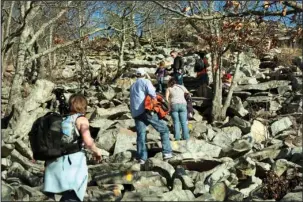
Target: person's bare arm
167,98
83,127
167,95
185,90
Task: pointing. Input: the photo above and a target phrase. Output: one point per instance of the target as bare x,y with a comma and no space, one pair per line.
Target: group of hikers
66,171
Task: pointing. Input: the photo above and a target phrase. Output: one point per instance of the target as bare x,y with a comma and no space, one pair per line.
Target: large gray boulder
240,123
126,140
280,125
237,107
195,146
263,86
225,138
112,113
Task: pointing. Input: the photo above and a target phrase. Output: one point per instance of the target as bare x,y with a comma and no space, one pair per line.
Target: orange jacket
157,105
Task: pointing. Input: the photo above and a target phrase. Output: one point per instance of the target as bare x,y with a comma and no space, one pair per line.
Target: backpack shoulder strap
76,116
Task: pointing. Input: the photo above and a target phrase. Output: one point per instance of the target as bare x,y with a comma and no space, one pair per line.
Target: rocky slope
223,161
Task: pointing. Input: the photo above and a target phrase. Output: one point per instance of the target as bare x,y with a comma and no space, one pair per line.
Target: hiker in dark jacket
177,67
202,76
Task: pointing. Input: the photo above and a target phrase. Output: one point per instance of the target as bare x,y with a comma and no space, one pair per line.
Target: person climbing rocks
68,174
160,73
143,118
200,68
178,105
226,80
177,67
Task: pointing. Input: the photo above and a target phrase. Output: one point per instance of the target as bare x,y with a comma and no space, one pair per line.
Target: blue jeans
179,115
142,122
179,78
161,84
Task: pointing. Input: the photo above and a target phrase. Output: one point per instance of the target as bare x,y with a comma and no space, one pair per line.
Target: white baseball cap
140,71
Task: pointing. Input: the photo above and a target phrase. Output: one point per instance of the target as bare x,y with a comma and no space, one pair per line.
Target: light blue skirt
68,172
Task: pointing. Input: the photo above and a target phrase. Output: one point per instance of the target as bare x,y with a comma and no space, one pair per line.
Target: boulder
263,86
218,191
187,182
296,196
112,113
106,140
225,139
259,132
109,167
281,165
195,146
6,149
244,144
164,168
246,166
140,63
240,123
126,140
178,195
280,125
247,81
107,92
7,192
201,188
237,107
94,193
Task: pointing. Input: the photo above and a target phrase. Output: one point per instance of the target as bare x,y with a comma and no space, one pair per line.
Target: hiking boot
167,156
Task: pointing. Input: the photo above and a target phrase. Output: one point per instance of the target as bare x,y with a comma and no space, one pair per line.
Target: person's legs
176,121
162,128
179,78
161,85
204,90
69,196
141,135
183,120
200,91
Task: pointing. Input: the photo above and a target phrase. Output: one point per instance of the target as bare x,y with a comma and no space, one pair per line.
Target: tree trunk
217,95
217,99
6,56
121,51
15,92
82,56
50,45
231,89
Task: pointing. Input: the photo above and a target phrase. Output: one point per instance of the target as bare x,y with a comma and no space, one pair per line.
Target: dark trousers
66,196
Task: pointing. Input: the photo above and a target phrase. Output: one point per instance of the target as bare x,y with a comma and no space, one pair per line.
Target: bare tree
26,37
209,19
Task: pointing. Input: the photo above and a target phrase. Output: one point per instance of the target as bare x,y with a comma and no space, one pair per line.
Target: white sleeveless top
176,94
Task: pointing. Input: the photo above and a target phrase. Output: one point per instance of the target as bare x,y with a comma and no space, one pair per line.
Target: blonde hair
162,64
77,104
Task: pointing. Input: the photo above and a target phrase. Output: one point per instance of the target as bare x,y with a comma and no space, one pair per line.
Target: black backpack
46,138
199,65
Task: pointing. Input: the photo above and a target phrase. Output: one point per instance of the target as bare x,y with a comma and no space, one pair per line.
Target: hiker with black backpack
177,67
138,93
200,68
59,140
175,95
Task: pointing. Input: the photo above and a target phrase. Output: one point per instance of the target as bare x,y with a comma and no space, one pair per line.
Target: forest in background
38,35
